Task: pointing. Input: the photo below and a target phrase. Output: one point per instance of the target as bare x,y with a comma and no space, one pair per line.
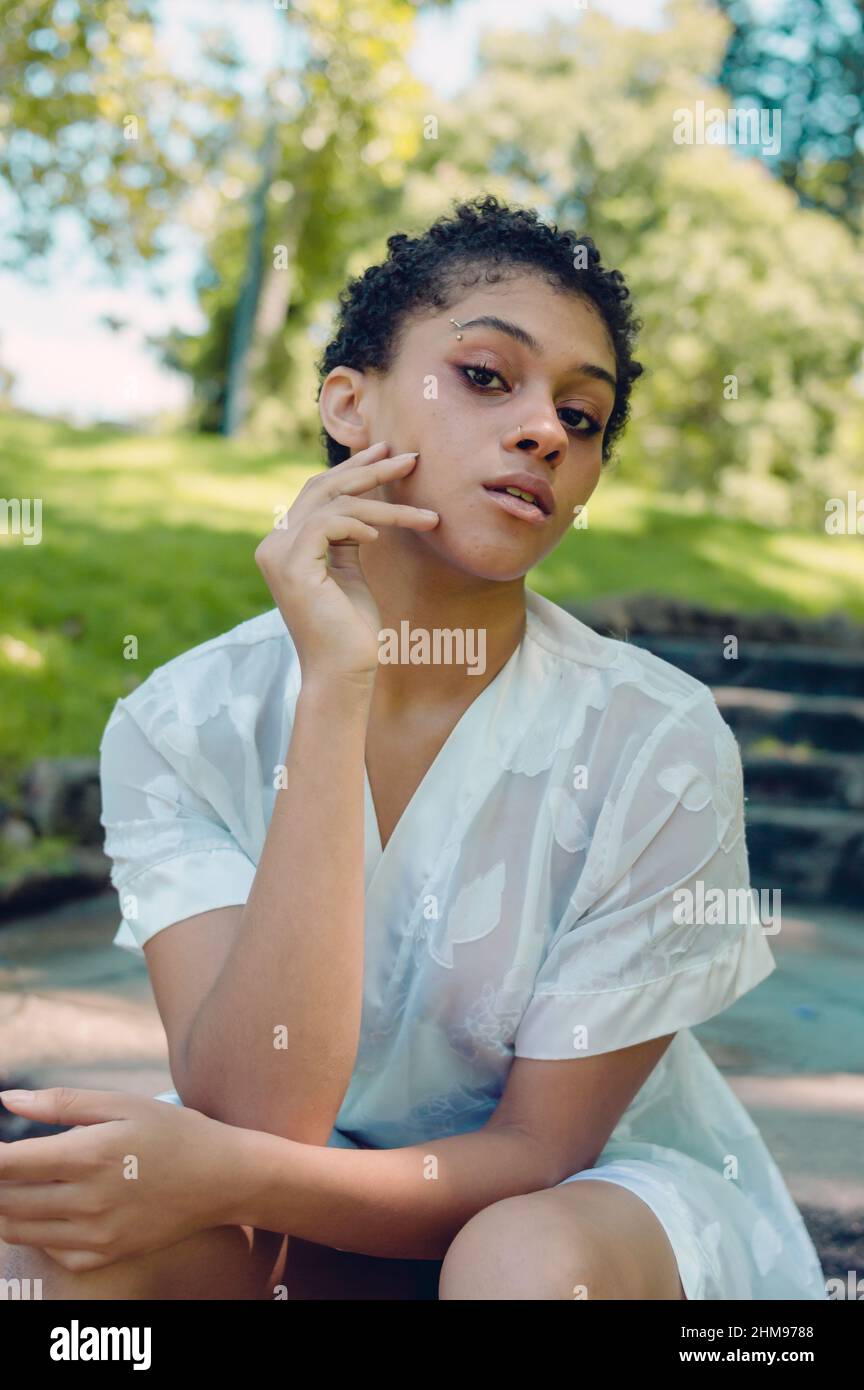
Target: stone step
831,723
76,873
812,853
797,669
628,616
819,779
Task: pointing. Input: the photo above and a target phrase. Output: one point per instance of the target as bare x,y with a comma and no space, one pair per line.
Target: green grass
638,540
154,537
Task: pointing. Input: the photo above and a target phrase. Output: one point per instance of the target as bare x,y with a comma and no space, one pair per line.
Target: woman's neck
446,634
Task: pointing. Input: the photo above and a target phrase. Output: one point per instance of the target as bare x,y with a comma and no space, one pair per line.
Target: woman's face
533,401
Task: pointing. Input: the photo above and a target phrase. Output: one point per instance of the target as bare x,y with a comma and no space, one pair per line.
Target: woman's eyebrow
521,335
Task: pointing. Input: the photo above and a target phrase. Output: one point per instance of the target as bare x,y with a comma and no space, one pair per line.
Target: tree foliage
96,123
752,305
806,58
348,125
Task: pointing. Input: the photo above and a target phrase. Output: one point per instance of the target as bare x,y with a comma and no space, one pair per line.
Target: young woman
410,857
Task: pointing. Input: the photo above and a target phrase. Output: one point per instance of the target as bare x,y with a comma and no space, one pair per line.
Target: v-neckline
376,853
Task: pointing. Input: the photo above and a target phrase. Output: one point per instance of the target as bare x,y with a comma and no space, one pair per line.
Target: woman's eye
482,371
583,425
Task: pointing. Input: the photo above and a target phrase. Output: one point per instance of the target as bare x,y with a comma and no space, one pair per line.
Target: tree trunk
246,312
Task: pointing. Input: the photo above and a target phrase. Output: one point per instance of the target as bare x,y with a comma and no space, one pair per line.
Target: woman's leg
234,1262
226,1262
583,1240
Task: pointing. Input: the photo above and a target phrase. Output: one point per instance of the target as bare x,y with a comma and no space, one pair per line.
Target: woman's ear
342,407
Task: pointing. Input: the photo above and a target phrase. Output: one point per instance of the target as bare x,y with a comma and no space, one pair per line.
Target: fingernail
21,1097
427,511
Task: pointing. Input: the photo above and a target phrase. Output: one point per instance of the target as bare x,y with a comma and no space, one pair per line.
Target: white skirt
725,1248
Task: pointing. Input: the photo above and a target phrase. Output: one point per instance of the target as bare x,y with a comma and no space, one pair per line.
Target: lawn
153,537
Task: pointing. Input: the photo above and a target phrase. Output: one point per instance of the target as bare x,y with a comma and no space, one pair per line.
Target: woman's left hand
135,1175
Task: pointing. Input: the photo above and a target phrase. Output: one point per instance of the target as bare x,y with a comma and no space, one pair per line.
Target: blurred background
184,190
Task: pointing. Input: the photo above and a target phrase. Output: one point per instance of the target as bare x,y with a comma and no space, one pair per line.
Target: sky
65,361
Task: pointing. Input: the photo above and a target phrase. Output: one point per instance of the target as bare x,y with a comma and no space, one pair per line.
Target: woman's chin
489,544
486,559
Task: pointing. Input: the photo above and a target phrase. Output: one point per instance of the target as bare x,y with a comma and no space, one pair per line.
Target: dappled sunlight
21,654
127,483
813,586
813,1094
702,558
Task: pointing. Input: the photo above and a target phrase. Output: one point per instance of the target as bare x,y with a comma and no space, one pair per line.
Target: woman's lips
517,506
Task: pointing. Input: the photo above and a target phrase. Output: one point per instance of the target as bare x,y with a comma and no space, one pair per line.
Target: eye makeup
469,370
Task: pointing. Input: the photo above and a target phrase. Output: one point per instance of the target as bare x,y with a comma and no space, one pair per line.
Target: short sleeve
662,930
171,855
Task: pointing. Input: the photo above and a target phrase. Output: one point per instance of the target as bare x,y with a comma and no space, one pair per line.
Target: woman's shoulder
572,681
587,660
256,658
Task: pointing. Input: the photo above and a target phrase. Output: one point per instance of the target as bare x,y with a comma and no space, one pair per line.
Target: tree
96,123
806,57
752,305
347,120
101,124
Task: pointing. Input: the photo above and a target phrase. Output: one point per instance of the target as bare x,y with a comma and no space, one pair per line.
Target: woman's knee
48,1279
510,1250
530,1247
225,1262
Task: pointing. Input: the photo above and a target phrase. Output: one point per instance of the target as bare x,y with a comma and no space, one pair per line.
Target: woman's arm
396,1203
273,1044
69,1193
553,1119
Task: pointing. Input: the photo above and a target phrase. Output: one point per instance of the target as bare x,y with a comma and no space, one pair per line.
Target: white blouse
569,878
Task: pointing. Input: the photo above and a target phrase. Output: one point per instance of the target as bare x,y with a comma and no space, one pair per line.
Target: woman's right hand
310,562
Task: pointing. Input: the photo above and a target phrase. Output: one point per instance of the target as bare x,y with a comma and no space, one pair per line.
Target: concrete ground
77,1010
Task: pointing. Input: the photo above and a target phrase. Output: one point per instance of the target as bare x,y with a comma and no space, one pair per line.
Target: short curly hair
427,271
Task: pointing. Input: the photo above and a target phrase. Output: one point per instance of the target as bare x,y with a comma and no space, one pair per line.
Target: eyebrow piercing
459,335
